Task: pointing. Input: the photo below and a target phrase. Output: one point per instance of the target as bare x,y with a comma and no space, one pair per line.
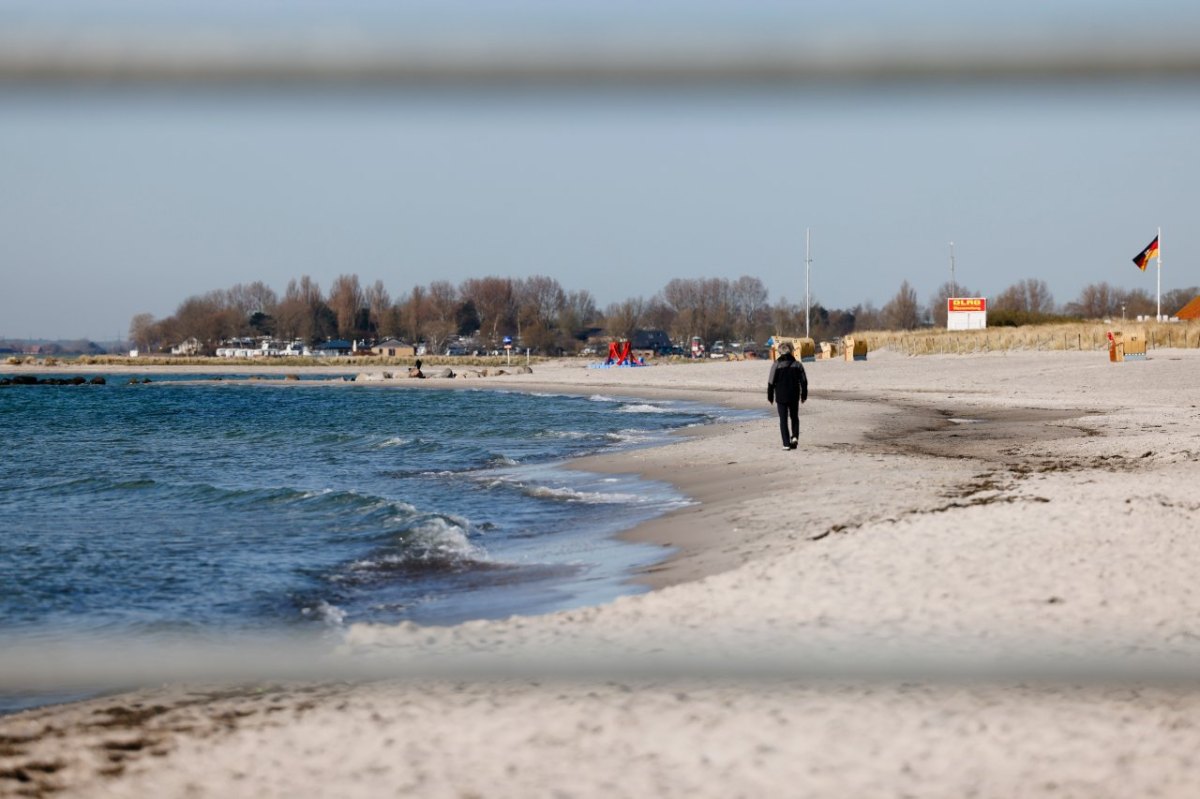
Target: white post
807,271
1159,315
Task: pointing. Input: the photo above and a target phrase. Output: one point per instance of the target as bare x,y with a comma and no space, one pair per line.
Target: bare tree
378,303
579,312
1174,300
143,332
495,302
749,297
252,298
903,312
623,318
441,320
303,313
1031,296
540,300
1133,303
657,314
937,310
787,318
1095,301
346,300
205,318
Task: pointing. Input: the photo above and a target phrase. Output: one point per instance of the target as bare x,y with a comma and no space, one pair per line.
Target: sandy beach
975,577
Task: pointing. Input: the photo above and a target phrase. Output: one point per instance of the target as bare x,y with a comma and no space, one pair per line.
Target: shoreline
1003,506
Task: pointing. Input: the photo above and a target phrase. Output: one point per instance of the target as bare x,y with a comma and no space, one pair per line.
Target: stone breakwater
30,380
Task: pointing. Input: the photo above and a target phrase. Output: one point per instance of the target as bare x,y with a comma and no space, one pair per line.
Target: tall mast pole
1158,316
807,272
953,282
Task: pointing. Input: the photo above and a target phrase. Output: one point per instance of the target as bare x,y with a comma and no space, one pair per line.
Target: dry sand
974,578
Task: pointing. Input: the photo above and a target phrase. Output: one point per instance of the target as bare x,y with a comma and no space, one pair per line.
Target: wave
642,407
358,505
429,543
327,612
502,460
631,436
394,441
568,434
566,494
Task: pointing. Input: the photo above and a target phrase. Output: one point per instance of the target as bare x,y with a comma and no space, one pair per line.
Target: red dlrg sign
966,304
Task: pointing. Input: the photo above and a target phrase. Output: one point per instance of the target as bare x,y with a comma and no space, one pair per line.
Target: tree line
542,315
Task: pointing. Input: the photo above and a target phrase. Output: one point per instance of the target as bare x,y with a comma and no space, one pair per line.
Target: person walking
787,387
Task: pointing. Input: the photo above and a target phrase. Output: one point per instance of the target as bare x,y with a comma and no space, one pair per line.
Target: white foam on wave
434,539
601,398
439,537
327,612
561,434
567,494
629,436
394,441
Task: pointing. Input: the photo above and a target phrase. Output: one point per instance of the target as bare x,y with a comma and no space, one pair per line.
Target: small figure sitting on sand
787,387
415,371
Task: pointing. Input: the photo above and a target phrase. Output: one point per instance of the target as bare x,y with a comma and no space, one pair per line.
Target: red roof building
1190,311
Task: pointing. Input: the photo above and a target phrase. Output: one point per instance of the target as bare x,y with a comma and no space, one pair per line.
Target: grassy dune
1065,336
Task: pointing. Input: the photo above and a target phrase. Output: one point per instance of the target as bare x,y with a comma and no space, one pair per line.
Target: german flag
1145,255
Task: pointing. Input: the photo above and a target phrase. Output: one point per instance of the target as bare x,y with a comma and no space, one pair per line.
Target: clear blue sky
117,202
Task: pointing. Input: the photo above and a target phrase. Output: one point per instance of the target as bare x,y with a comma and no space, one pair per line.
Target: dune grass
1083,336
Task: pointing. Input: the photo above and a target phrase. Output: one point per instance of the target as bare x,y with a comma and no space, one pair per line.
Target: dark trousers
789,410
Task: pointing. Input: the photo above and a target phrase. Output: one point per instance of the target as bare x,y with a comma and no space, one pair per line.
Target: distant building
188,347
260,348
392,348
333,348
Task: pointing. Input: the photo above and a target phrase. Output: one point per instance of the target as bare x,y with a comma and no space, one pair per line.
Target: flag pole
1159,294
807,270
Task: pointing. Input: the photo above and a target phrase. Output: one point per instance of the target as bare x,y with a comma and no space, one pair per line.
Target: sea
153,508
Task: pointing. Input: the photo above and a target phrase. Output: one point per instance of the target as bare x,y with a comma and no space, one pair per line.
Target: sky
116,201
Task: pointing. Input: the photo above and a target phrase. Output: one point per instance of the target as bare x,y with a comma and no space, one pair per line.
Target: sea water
218,506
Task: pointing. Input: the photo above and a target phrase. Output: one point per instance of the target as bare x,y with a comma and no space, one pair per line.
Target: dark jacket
788,382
